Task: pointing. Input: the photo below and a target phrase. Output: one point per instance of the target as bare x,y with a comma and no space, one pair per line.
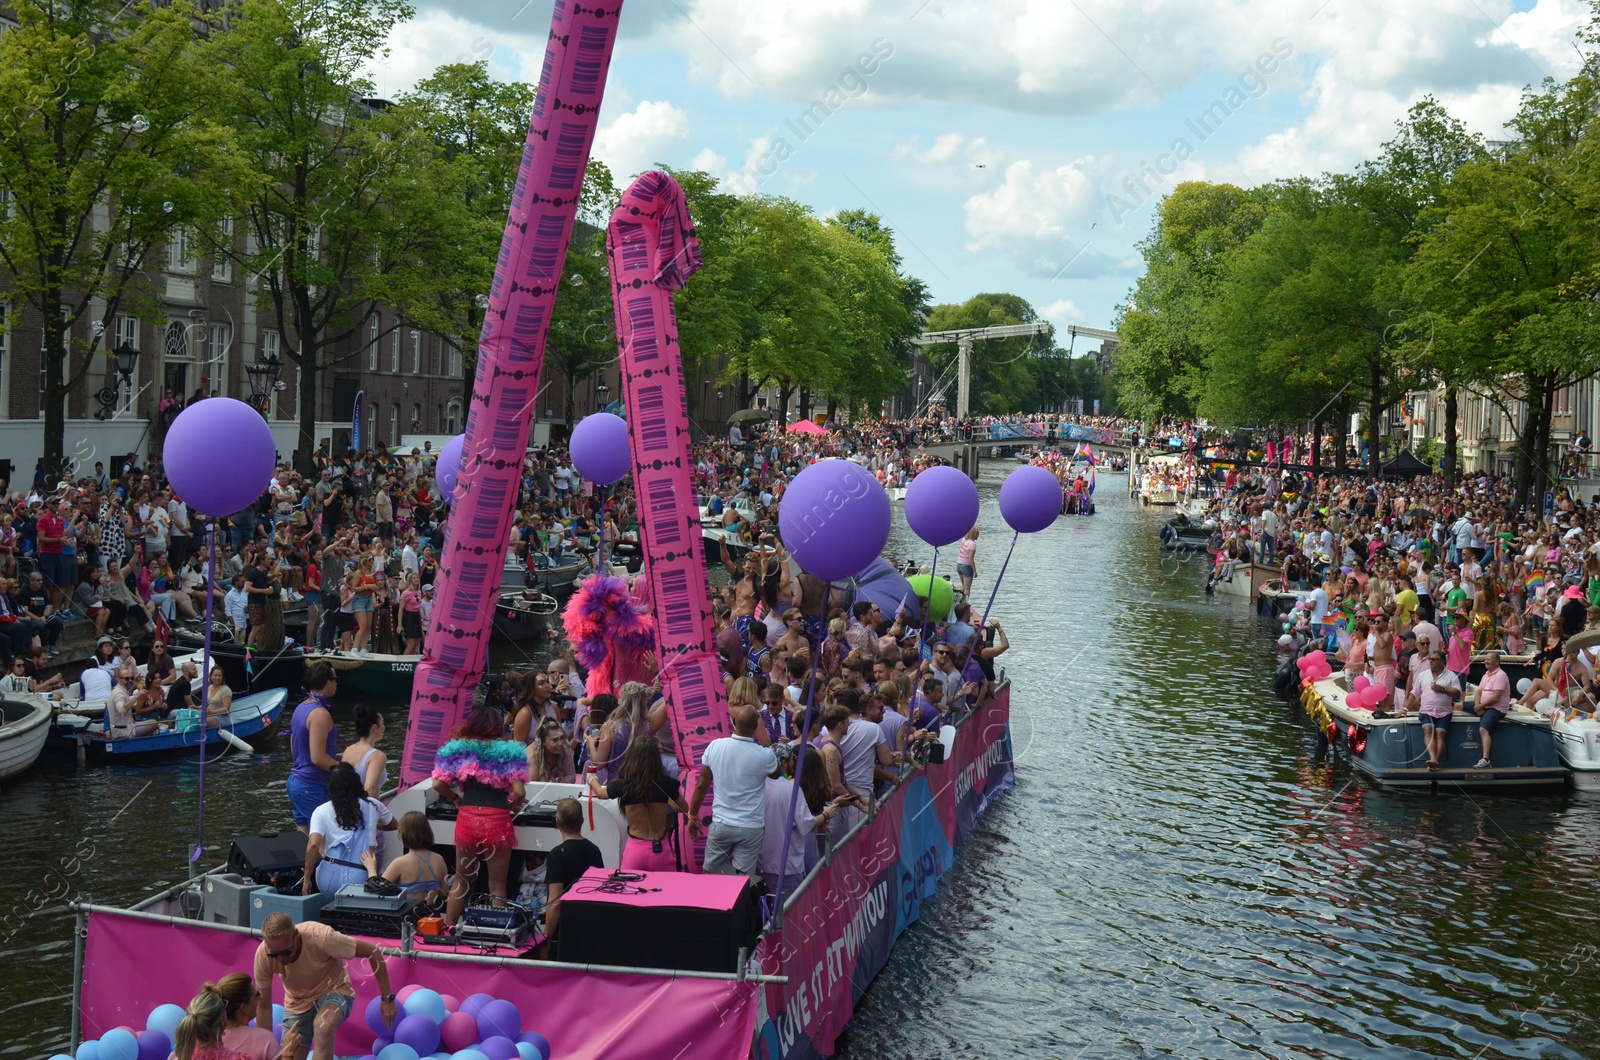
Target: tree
1427,150
327,244
882,310
1508,267
458,138
106,153
1162,352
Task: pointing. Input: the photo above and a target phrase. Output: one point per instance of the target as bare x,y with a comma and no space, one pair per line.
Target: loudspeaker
682,937
277,860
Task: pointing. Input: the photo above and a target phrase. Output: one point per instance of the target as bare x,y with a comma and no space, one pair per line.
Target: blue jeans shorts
1442,724
305,1022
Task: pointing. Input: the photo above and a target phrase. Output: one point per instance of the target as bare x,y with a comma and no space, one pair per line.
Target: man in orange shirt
317,995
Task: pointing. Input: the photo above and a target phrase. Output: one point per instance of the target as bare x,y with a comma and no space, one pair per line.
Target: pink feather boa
611,631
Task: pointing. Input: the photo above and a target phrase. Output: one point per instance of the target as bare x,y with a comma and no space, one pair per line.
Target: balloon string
927,609
977,637
205,674
800,759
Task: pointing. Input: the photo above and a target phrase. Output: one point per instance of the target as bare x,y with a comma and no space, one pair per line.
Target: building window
455,362
394,351
372,343
394,424
416,419
372,425
217,360
222,257
180,251
127,332
416,352
266,350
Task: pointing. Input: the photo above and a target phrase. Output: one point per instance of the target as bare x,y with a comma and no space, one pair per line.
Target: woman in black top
644,791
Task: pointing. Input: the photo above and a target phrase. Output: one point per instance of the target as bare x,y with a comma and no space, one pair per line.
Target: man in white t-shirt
740,768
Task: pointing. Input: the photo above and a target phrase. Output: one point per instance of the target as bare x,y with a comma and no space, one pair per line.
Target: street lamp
127,360
601,392
263,381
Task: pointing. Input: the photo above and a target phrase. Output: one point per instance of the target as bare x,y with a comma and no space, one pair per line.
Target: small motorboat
1390,749
715,533
247,670
378,676
249,724
1181,536
24,727
1578,742
556,576
523,614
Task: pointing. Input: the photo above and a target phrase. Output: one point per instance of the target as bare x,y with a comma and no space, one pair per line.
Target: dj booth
668,920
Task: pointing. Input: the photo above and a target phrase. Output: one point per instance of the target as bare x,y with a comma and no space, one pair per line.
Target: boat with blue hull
251,721
1389,749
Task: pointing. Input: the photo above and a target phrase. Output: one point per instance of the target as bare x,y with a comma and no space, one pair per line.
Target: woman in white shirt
342,831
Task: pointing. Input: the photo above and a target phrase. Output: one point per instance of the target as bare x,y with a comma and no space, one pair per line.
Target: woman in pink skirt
644,791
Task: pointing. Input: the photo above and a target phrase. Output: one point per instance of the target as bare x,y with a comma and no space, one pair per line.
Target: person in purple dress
312,747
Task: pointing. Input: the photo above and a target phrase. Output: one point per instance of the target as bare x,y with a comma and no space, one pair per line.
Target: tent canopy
1404,464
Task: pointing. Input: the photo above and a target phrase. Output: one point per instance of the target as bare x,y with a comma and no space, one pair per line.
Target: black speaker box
688,939
277,860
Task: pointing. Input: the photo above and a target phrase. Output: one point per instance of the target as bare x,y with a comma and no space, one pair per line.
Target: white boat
715,533
1578,744
24,727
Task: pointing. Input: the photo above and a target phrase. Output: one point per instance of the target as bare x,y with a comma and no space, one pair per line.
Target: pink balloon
406,991
458,1031
1305,662
1361,682
451,1004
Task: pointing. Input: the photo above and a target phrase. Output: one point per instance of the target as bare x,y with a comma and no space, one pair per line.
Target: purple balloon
538,1041
473,1004
1030,499
835,519
941,505
375,1018
155,1045
447,467
219,456
499,1048
381,1044
420,1032
501,1018
599,448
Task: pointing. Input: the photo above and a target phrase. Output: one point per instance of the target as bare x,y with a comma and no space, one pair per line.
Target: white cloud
635,140
1061,313
1040,217
434,38
950,147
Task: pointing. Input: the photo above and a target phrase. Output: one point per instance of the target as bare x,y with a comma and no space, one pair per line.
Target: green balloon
944,594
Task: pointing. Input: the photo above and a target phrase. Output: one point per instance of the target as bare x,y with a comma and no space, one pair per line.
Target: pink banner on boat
506,384
837,934
653,251
135,965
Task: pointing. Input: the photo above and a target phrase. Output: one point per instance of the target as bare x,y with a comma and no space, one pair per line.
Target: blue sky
1017,145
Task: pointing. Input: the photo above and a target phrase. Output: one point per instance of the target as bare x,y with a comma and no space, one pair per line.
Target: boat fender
1356,737
230,738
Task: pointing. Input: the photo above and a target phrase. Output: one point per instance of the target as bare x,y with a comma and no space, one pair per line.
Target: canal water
1175,874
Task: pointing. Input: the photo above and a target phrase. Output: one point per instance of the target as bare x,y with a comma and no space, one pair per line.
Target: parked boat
247,670
1390,749
24,727
714,533
1578,742
523,614
369,675
1181,536
554,575
251,722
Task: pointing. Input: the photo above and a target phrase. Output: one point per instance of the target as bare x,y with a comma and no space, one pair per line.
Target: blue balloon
61,1056
538,1041
427,1003
89,1051
468,1054
398,1051
527,1051
119,1045
165,1018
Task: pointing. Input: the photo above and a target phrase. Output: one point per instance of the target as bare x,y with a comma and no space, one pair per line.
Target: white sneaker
1483,763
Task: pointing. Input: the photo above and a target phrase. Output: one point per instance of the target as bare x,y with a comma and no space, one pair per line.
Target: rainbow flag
1535,580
